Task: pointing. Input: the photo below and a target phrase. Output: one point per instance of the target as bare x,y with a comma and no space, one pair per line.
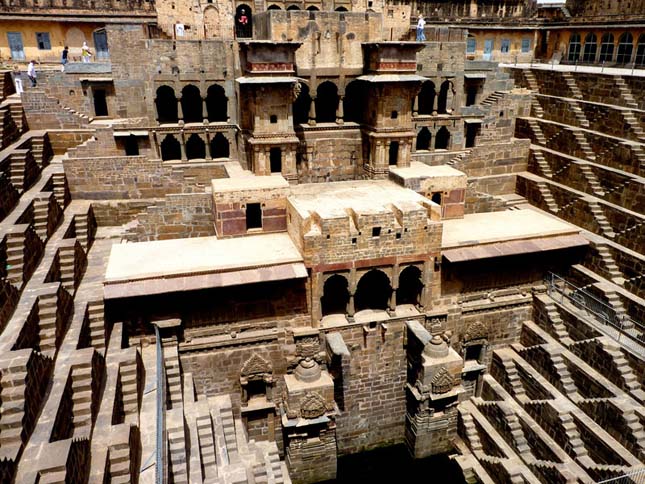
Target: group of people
86,55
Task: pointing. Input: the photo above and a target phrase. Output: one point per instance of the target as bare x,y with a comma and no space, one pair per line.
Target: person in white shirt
420,29
31,73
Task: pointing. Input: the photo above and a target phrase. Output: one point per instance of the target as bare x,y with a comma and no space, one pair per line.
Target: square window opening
273,119
253,216
376,231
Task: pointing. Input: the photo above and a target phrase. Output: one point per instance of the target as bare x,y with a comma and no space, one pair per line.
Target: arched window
301,105
606,48
335,295
640,51
410,286
625,48
424,139
170,148
191,104
590,49
326,102
444,101
195,147
313,9
427,97
574,47
219,146
373,291
293,7
341,9
353,102
442,140
166,103
216,103
274,7
243,22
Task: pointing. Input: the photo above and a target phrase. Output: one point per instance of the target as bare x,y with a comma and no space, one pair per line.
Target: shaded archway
442,140
625,48
166,103
170,148
410,286
195,147
427,97
443,100
293,7
590,48
243,22
353,102
219,146
191,104
424,139
212,22
640,51
341,9
373,291
313,9
606,48
335,295
274,7
301,105
326,102
574,47
216,103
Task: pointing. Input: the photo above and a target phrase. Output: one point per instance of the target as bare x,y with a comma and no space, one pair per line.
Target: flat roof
331,200
162,266
421,170
496,234
236,184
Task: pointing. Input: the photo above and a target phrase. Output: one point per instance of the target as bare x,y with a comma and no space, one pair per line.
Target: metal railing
637,477
160,466
560,288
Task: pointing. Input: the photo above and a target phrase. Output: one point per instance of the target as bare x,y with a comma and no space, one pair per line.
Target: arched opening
170,148
410,286
574,47
353,102
243,22
590,49
313,9
219,146
442,102
301,105
191,104
211,22
274,7
131,145
640,51
166,103
424,138
293,7
335,295
341,9
606,48
326,102
373,291
625,48
427,97
195,147
393,155
216,103
442,140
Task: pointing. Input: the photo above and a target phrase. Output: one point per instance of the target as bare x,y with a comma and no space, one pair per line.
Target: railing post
160,466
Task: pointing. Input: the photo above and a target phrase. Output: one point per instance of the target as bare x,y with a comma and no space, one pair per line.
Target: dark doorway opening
326,102
191,104
373,291
170,148
166,103
243,22
275,160
442,139
472,131
410,286
131,146
216,103
424,138
335,295
301,105
195,147
253,216
393,156
100,102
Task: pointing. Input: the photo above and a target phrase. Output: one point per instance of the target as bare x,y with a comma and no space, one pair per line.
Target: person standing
64,57
85,52
421,24
31,73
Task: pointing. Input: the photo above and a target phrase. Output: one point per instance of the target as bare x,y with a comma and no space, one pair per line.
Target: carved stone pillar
208,147
415,106
182,142
180,111
339,111
204,111
312,112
